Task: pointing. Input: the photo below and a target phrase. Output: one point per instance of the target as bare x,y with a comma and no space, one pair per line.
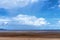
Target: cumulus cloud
15,3
24,20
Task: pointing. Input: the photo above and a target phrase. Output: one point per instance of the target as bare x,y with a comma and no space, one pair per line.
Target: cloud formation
30,20
15,3
24,20
18,3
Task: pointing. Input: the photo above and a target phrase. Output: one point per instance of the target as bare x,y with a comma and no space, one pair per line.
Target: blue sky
30,14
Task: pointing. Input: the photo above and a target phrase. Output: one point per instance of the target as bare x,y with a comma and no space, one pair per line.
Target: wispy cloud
59,6
15,3
18,3
4,21
33,1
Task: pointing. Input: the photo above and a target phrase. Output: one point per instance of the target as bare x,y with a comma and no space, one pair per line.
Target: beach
27,38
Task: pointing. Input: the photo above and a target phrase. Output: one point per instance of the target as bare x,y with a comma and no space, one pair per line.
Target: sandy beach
27,38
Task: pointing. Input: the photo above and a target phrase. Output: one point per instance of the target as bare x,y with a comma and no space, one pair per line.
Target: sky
30,14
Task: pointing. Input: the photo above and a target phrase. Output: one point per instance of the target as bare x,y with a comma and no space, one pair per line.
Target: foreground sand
27,38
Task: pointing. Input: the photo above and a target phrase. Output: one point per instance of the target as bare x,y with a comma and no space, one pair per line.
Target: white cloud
40,21
18,3
24,20
15,3
30,20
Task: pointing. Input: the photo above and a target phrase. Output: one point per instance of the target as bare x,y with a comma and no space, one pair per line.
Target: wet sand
41,34
30,35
